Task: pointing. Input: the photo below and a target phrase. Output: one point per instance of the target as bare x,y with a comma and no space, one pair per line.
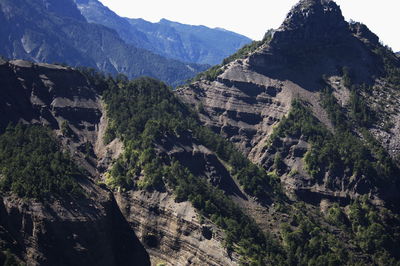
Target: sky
253,18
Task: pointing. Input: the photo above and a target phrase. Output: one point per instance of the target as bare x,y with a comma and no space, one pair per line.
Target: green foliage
336,216
335,111
32,164
210,74
146,114
341,153
307,243
362,117
65,129
347,77
143,112
372,235
249,48
213,204
359,111
252,178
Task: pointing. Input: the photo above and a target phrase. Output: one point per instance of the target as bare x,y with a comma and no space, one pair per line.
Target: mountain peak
307,11
312,21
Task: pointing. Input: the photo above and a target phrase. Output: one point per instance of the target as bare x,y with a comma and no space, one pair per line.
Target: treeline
213,72
33,165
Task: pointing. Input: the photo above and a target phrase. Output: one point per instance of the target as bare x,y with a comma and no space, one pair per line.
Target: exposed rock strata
70,232
172,232
94,231
252,95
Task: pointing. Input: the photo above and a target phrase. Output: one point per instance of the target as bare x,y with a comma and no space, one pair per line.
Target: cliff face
66,231
172,232
70,232
98,229
54,96
306,55
312,111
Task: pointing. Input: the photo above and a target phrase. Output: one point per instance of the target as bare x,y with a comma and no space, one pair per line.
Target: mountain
195,44
337,70
43,222
285,154
55,31
310,104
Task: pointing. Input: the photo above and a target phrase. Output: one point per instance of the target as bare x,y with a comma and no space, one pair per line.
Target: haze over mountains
186,43
56,32
287,153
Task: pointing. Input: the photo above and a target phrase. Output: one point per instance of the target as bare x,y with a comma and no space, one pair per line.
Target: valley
286,153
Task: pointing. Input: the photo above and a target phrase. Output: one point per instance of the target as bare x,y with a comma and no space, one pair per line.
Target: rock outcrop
172,232
66,231
314,52
305,55
88,231
99,230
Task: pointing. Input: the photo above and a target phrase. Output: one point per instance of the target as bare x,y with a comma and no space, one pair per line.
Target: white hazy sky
253,17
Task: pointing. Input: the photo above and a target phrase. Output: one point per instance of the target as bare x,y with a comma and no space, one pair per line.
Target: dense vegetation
307,242
341,153
9,259
32,164
145,115
374,230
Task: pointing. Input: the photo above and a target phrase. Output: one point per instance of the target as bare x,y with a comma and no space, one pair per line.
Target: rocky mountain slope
310,103
71,231
56,32
186,43
286,157
311,56
60,230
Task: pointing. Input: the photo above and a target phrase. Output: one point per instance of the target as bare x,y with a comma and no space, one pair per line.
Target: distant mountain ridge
55,31
187,43
288,153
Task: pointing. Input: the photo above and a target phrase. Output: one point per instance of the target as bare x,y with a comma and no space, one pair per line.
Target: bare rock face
64,232
252,95
172,232
70,232
63,99
99,230
309,23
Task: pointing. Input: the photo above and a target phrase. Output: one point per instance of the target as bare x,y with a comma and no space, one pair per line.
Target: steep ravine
66,101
